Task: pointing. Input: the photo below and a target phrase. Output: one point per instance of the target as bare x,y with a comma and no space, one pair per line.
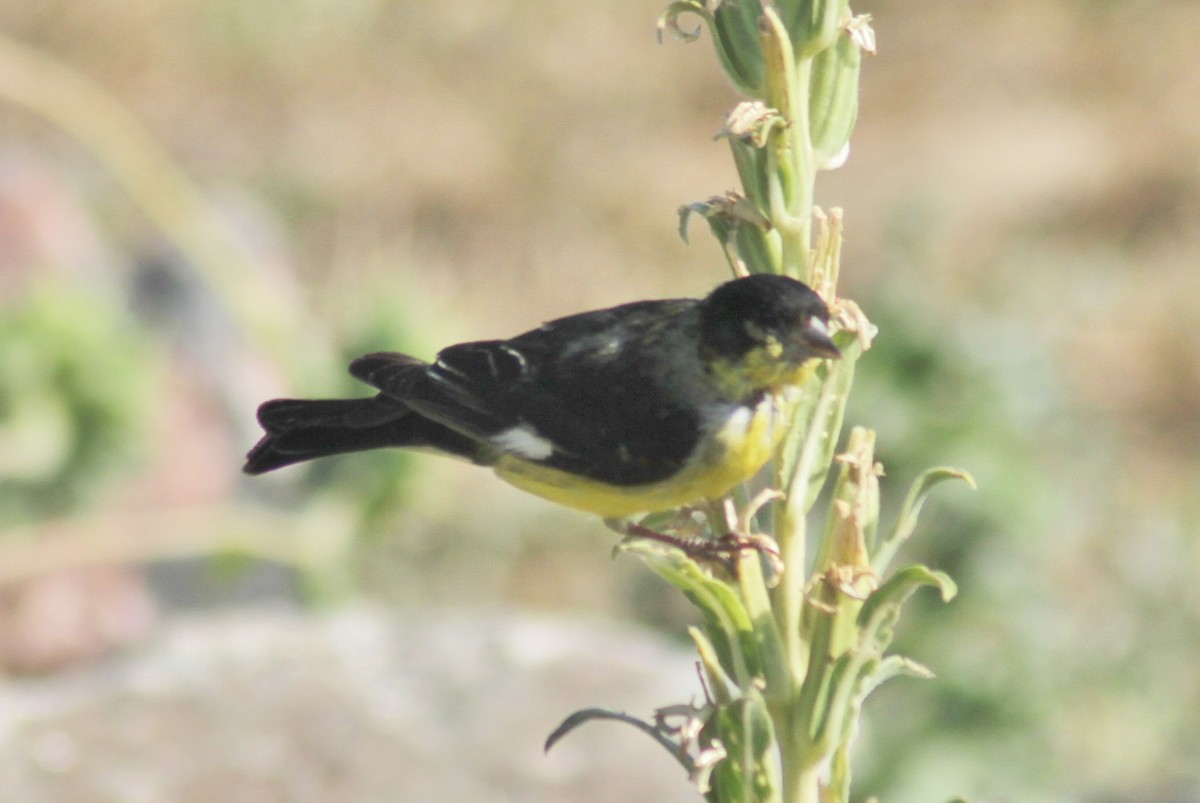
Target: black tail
305,429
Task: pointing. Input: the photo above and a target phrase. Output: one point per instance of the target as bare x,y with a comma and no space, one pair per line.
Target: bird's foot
725,549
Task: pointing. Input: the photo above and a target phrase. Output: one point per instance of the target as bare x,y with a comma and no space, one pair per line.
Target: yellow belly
741,446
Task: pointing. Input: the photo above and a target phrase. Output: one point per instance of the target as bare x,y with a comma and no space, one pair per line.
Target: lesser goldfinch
643,407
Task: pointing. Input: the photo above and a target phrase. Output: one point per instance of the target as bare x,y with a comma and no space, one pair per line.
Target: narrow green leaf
890,667
728,624
718,680
906,522
882,608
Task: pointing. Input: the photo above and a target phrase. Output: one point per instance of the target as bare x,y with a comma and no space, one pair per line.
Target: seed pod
833,94
812,25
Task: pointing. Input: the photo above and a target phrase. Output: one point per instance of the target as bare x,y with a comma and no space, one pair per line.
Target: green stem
803,786
789,594
791,535
756,598
790,186
804,169
789,156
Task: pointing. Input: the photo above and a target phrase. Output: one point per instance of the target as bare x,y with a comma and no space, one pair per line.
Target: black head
765,311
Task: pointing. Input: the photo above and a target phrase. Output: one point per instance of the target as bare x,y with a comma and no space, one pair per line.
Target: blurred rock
262,705
64,617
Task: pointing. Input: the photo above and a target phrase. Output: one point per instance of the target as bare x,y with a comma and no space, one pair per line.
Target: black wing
612,391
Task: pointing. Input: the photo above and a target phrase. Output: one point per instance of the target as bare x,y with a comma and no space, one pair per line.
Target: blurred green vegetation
1020,213
77,381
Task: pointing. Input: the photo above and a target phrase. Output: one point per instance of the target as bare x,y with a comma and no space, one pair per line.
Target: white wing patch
523,440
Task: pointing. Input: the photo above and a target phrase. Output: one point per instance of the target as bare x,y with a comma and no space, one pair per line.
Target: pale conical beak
816,336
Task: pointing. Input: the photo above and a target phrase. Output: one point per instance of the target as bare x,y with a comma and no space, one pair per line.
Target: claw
739,534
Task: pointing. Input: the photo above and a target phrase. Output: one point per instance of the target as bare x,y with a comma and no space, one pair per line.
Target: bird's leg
691,544
695,546
738,535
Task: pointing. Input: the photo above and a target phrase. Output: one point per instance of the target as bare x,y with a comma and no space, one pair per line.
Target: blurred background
205,203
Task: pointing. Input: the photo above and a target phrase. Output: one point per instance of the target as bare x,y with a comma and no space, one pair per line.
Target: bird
644,407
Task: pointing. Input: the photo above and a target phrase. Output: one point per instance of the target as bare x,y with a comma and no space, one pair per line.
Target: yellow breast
735,449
